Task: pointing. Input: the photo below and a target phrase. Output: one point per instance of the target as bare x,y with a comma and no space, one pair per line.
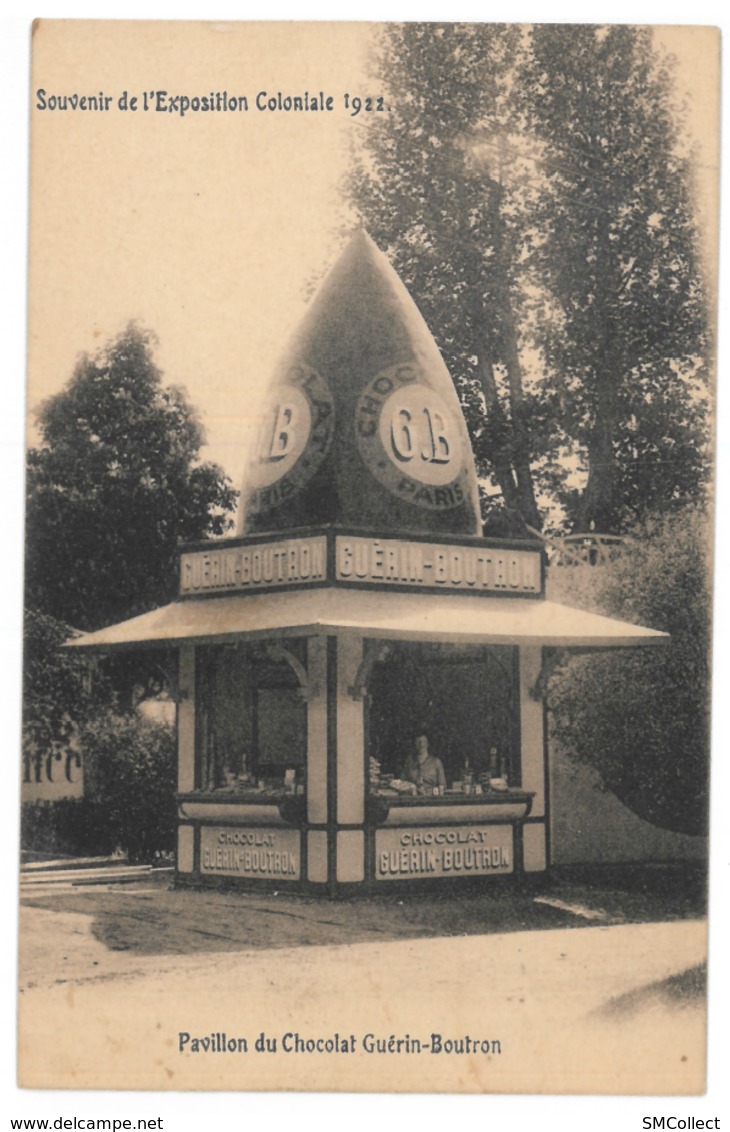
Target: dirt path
110,980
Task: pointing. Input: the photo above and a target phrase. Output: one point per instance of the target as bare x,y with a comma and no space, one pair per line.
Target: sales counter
262,837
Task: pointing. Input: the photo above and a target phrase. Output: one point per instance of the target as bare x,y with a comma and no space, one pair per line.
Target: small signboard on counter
267,854
454,851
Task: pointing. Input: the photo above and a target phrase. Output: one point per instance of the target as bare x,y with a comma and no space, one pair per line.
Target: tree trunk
500,455
527,504
520,432
599,504
597,507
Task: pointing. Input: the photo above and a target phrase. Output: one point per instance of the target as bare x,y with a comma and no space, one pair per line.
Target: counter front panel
260,854
453,851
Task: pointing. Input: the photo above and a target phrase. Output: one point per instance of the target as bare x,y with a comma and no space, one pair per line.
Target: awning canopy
459,618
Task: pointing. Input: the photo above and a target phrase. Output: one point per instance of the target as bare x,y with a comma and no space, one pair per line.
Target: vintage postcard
370,488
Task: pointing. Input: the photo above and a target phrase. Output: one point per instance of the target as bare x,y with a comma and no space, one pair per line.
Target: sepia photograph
369,503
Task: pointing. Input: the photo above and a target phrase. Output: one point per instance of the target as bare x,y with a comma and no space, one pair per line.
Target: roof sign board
442,566
370,562
254,567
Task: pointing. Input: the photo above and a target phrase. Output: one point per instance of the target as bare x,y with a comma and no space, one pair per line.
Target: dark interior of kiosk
252,721
465,700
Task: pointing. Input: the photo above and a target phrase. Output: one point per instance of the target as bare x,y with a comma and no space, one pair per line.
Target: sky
207,228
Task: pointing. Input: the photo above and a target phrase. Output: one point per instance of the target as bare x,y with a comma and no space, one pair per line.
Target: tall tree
618,257
529,189
447,228
114,485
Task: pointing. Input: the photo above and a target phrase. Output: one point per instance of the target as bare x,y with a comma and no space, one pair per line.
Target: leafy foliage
530,190
114,486
112,489
442,220
66,827
641,716
618,256
61,691
130,776
129,763
129,795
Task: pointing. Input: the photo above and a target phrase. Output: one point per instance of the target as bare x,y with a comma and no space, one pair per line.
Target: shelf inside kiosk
251,721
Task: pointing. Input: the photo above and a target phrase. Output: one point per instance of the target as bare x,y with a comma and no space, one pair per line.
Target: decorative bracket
278,653
172,682
553,659
359,689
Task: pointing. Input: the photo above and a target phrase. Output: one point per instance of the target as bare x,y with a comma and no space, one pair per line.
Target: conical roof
363,426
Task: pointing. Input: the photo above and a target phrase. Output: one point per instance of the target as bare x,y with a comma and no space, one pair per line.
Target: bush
129,763
641,716
69,826
129,795
130,778
61,688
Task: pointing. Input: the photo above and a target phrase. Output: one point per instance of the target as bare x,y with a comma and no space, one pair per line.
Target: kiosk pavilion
358,610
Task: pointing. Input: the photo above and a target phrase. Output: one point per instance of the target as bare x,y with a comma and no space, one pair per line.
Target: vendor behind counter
463,700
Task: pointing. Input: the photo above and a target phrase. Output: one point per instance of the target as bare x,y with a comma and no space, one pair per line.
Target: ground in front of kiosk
593,985
71,933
